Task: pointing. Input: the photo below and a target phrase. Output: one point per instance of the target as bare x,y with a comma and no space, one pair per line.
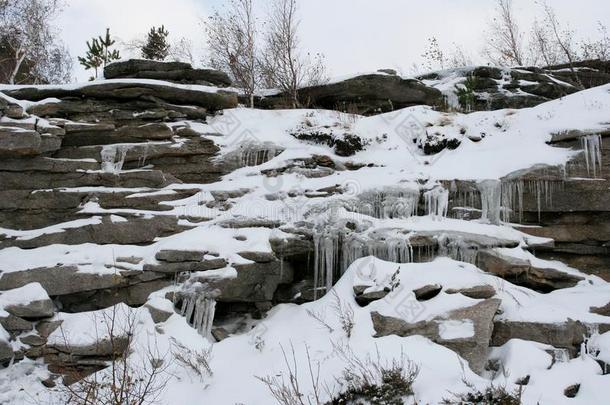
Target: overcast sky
355,35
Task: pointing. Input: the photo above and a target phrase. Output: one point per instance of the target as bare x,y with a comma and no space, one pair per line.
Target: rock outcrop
176,72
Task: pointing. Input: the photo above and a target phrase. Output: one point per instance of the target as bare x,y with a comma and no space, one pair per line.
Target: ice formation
254,154
457,249
491,195
592,149
437,202
198,309
388,203
512,196
335,251
113,158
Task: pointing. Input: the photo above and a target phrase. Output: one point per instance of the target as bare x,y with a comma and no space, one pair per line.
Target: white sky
355,35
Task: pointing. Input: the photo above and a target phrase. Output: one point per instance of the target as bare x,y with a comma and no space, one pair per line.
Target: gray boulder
473,348
177,72
131,91
19,142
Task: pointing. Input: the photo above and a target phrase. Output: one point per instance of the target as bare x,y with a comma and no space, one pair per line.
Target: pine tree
99,53
156,46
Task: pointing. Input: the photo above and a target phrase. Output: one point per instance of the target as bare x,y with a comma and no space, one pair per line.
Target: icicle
388,203
198,309
512,199
437,202
113,158
592,148
253,154
560,355
491,195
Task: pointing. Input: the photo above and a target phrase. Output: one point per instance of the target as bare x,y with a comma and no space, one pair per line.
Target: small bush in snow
345,312
492,395
373,381
197,361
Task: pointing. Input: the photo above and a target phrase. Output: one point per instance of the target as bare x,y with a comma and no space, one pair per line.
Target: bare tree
182,51
543,46
597,49
505,44
434,57
30,50
564,38
232,43
282,64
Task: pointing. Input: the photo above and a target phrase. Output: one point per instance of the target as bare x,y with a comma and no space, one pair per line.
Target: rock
604,310
255,282
19,142
133,231
160,309
477,292
566,335
258,257
364,298
42,180
220,334
173,268
427,292
29,301
449,330
105,134
15,324
177,72
366,94
132,91
10,108
571,391
6,352
178,256
521,272
60,280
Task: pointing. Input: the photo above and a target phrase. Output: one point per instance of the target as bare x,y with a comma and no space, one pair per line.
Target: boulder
177,72
566,335
6,352
160,309
29,301
521,272
130,90
190,266
366,94
178,256
60,280
132,231
477,292
427,292
467,331
19,142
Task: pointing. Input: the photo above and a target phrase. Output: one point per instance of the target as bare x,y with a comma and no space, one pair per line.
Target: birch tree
282,63
232,44
505,46
30,49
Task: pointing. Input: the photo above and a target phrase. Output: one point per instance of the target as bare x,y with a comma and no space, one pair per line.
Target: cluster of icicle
592,149
254,154
198,309
502,201
113,158
457,249
387,203
335,251
437,202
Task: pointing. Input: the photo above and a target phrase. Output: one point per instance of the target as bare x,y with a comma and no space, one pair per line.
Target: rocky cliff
153,190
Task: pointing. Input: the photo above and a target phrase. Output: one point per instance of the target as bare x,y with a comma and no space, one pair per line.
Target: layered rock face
150,190
467,89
